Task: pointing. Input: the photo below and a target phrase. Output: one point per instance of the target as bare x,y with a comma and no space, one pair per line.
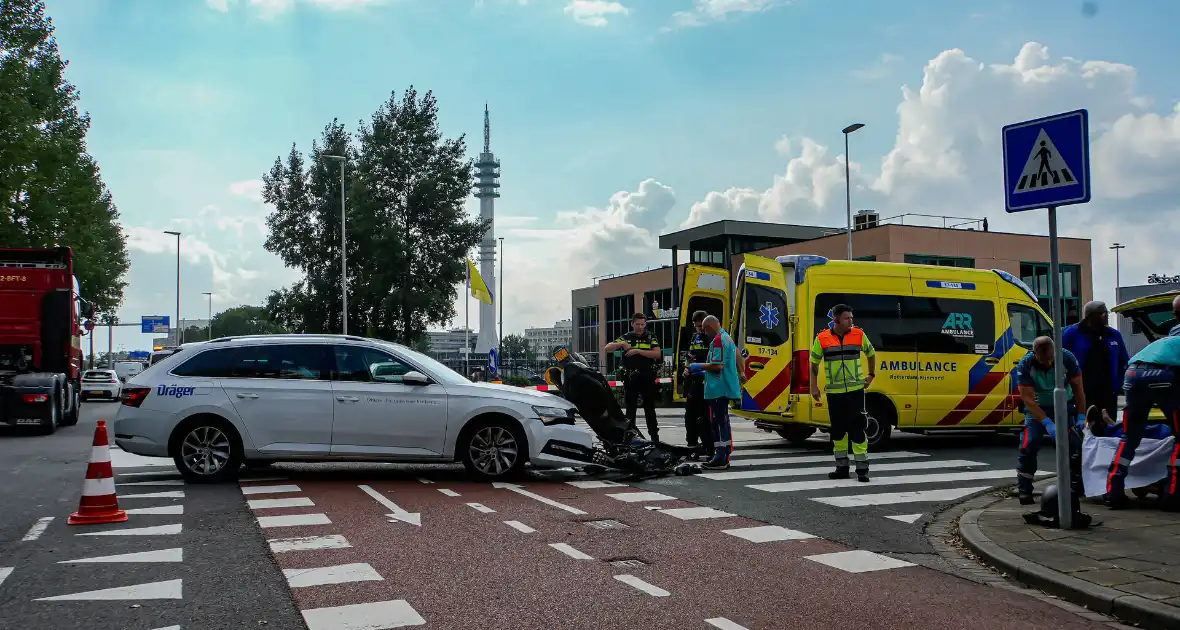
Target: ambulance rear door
705,289
762,332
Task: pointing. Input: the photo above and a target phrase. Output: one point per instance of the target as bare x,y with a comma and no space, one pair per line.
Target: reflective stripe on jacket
841,359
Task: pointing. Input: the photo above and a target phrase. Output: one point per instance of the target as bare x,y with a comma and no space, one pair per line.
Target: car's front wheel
494,450
206,449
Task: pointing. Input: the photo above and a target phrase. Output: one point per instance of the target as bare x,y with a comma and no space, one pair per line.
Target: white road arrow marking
396,513
546,500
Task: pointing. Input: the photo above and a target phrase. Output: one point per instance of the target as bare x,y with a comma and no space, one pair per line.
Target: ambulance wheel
880,421
796,434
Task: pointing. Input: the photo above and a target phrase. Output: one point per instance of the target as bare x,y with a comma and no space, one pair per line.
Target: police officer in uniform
641,352
696,411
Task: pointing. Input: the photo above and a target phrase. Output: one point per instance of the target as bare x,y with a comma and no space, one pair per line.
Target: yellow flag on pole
479,290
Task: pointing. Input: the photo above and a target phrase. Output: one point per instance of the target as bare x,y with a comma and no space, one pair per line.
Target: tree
514,347
408,233
244,320
51,189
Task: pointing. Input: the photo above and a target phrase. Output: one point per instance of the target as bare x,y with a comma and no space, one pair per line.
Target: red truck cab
41,326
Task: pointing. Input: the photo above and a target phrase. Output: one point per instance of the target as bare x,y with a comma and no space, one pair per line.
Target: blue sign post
1046,165
154,324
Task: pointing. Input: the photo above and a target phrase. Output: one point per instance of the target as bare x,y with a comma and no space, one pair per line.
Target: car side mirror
415,378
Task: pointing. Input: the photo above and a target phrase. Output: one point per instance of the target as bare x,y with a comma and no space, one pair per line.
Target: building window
940,261
663,328
1036,276
587,337
653,299
619,310
872,258
705,257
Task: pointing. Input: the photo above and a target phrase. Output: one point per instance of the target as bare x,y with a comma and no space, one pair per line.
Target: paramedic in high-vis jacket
838,349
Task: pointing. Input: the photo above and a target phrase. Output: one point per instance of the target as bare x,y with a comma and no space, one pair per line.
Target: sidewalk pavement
1127,564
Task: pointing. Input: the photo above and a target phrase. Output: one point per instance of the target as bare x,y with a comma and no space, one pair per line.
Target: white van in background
127,369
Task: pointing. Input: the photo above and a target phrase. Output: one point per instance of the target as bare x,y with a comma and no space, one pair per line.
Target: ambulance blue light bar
801,262
1017,282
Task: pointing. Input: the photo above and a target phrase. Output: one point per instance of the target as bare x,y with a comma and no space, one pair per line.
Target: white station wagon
217,405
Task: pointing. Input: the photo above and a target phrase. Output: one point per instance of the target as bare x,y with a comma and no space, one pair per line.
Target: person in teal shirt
722,384
1152,380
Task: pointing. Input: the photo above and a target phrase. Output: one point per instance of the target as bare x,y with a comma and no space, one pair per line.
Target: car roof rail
289,336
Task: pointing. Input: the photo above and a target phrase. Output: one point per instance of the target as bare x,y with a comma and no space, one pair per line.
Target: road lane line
176,554
892,498
157,530
724,624
172,510
570,551
370,616
635,497
858,561
520,527
169,589
37,529
293,520
906,518
338,574
767,533
308,543
448,492
897,480
546,500
696,513
479,507
424,480
823,470
259,479
171,494
590,485
265,504
156,482
249,490
639,584
815,459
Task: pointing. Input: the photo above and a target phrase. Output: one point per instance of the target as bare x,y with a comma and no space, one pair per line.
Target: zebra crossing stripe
899,480
816,459
892,498
823,470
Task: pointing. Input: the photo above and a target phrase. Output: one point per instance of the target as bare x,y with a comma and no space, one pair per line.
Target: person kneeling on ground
1035,376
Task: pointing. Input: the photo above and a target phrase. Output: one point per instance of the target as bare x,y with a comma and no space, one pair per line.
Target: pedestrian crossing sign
1047,162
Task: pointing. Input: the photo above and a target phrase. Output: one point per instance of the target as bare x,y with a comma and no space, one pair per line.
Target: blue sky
188,99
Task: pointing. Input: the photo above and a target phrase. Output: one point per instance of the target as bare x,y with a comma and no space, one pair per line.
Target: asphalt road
204,564
347,546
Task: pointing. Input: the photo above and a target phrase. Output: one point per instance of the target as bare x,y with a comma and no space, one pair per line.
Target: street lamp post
500,352
210,320
1117,273
179,330
343,251
848,181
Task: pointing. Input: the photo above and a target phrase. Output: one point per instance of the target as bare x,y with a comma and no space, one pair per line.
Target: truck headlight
554,415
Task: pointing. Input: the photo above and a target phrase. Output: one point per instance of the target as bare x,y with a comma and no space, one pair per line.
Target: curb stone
945,534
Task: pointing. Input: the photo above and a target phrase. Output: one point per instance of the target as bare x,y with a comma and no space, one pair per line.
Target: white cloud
705,11
880,69
250,189
594,12
268,9
945,160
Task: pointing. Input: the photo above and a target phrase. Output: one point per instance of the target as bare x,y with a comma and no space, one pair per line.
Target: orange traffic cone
99,504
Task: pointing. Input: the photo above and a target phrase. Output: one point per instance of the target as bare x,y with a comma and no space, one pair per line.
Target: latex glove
696,368
1050,428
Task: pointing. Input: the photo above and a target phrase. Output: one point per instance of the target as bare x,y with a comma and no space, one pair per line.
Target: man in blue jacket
1102,354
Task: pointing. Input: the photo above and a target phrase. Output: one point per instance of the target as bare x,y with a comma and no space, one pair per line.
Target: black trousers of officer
1148,385
642,384
696,415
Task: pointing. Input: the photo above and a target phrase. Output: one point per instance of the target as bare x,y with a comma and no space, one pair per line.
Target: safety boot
841,472
862,476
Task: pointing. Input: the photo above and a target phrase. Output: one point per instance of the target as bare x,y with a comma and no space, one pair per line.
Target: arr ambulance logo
958,325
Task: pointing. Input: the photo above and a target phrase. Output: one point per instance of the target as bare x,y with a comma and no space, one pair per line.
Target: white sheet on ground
1149,466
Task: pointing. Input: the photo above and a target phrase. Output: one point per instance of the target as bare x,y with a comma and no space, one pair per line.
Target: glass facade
619,310
1036,276
586,332
940,261
663,329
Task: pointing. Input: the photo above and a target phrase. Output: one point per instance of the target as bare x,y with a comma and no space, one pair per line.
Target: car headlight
554,415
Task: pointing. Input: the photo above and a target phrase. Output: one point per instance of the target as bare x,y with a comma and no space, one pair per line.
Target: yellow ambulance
948,340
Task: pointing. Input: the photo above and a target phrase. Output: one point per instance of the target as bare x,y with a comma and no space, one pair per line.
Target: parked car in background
103,383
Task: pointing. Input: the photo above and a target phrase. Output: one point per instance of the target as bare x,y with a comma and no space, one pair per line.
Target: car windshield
439,371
